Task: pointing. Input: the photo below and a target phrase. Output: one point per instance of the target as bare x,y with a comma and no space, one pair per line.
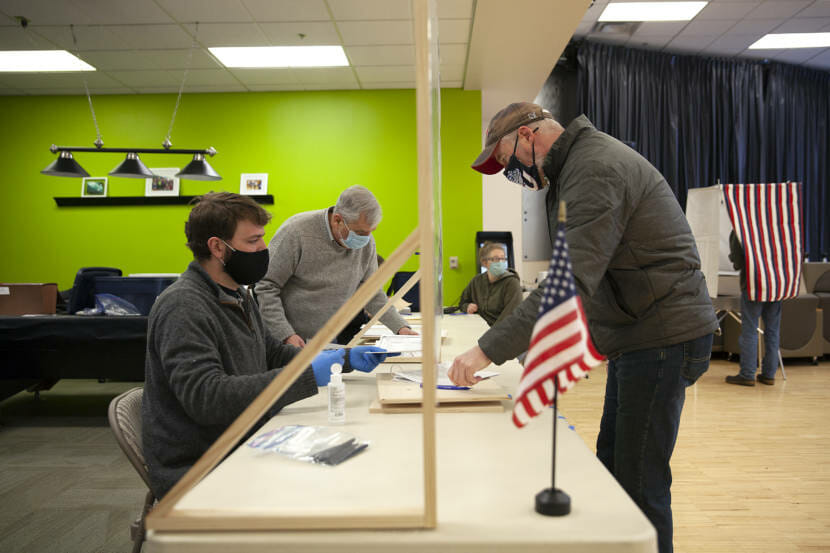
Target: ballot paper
414,375
406,343
378,330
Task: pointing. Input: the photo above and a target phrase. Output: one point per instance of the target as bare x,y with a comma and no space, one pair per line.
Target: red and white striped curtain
767,218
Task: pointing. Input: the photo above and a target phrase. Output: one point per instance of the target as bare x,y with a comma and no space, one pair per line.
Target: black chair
83,291
499,237
413,296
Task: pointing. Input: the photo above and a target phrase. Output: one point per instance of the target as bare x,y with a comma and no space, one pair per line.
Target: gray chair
125,421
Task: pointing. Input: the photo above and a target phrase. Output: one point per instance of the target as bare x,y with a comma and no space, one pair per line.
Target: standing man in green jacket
495,293
637,270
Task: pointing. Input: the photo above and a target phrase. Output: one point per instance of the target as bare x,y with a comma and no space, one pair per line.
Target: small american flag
767,218
560,351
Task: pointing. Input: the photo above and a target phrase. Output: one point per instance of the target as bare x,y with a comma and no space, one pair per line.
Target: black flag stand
551,501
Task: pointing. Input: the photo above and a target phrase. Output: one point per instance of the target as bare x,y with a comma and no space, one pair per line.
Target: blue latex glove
323,362
362,360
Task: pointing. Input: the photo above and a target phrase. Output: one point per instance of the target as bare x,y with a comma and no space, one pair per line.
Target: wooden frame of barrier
164,517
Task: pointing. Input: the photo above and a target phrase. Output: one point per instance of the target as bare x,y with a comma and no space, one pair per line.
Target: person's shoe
739,380
764,380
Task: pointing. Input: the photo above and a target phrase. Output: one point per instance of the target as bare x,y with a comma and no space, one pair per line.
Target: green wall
311,144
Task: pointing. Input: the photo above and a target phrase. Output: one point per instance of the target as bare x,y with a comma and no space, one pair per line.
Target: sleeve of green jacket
512,298
466,297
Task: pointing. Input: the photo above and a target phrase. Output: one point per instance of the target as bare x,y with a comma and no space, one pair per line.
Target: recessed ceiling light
41,60
651,11
791,40
281,56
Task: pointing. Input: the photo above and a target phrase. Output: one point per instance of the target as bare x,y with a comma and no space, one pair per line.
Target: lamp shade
198,169
132,168
65,166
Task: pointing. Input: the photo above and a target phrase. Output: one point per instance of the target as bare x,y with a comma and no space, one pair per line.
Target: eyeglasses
494,259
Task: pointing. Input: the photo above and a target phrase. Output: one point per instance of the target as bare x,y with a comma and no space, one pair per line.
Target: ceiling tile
690,43
820,61
453,53
778,9
172,77
190,89
797,55
224,11
274,87
149,59
731,44
820,8
15,38
95,37
388,55
228,34
265,76
287,10
123,12
153,37
660,28
323,75
452,72
390,85
288,34
708,27
753,26
75,81
807,25
376,32
453,30
74,91
389,73
46,12
455,9
726,10
452,84
351,10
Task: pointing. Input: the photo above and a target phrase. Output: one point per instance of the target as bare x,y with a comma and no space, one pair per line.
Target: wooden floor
751,466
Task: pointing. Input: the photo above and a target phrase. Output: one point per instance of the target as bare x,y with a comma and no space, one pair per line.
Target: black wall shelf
142,200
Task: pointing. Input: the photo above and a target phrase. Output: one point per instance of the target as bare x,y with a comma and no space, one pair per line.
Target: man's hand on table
405,330
463,369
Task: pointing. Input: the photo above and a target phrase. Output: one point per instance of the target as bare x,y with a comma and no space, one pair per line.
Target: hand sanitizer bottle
337,396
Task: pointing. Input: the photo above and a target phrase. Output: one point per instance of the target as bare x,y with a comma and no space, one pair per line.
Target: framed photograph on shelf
94,187
253,183
163,183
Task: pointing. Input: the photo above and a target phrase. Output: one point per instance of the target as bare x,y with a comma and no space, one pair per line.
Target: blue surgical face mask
497,268
355,241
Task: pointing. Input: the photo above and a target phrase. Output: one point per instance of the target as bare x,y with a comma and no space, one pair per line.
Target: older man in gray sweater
318,260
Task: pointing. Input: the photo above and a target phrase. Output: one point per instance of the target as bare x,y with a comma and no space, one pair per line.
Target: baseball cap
503,123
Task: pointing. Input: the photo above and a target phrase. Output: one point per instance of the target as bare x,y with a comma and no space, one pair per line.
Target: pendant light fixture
132,166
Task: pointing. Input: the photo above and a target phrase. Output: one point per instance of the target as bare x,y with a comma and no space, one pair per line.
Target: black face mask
519,173
246,267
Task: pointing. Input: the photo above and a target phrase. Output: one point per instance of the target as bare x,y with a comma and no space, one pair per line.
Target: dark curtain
706,120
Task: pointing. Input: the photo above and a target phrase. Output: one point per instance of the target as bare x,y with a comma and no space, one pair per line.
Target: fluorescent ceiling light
281,56
792,40
41,60
651,11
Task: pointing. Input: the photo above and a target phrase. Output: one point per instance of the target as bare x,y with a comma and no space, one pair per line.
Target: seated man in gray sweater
318,260
208,352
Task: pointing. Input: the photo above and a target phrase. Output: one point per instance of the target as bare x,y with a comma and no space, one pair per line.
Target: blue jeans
751,311
644,396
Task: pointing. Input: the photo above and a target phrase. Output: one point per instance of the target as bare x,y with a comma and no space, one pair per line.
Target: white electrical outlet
453,262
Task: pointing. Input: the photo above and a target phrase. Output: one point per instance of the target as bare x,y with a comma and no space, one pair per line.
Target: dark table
40,350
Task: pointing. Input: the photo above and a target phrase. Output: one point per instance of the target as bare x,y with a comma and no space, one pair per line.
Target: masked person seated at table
209,354
495,293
